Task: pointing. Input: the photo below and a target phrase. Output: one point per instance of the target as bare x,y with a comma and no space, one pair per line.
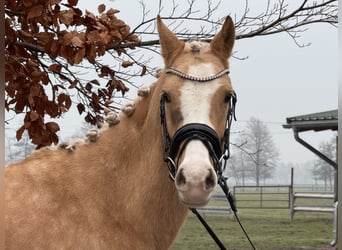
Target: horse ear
171,46
222,44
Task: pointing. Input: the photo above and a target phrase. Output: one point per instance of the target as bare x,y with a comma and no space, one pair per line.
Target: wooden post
336,172
291,188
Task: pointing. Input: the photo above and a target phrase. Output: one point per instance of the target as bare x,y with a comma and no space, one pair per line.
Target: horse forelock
195,47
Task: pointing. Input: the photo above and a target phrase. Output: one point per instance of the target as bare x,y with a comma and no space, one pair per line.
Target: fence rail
272,196
311,202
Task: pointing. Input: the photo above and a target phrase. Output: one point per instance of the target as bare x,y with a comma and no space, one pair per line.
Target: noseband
218,148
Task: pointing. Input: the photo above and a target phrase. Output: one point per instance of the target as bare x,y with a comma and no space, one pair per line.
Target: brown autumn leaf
73,84
96,82
44,37
35,11
95,98
79,55
27,3
101,50
54,139
76,41
93,36
101,27
55,67
101,8
34,115
36,89
72,2
68,36
52,127
105,71
80,108
116,35
66,17
55,45
20,132
11,35
112,11
30,100
64,101
67,52
143,71
36,75
51,109
32,64
90,15
126,64
61,99
88,87
91,53
45,79
107,102
25,35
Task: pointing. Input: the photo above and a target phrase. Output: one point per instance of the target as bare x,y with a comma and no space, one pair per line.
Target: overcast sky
278,80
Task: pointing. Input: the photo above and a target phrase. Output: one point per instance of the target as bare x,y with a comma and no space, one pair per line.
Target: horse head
196,101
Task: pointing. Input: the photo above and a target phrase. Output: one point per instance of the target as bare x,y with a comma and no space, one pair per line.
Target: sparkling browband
194,78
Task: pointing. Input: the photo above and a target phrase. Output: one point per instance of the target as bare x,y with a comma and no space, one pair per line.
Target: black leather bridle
218,148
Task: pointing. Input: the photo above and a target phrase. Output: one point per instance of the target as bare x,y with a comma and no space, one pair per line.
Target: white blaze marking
196,97
195,103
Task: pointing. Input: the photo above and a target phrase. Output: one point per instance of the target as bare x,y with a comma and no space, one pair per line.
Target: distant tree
322,171
261,155
52,47
17,150
237,168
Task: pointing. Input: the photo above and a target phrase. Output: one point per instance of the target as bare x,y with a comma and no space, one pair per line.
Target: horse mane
112,119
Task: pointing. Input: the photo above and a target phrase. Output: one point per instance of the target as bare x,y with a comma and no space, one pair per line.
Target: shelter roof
315,121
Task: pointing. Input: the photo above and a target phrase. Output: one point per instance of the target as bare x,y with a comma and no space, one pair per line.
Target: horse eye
166,97
227,98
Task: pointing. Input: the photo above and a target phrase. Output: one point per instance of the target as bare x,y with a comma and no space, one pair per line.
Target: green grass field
269,229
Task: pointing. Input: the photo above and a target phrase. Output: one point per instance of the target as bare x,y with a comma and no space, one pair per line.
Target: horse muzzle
195,179
196,148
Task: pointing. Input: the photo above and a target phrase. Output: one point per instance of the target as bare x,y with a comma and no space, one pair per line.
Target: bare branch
49,49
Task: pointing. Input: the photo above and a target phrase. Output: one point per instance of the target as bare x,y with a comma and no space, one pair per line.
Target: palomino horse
114,191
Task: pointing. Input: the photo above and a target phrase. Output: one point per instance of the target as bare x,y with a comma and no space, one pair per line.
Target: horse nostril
210,182
180,178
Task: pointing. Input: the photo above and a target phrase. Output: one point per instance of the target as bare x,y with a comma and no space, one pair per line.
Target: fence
311,202
275,196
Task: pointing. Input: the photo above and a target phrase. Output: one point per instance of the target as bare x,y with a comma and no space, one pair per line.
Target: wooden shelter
316,122
327,120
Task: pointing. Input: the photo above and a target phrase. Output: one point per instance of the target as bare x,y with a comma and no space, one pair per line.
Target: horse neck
140,184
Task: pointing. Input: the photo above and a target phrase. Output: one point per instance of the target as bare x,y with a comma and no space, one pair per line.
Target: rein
218,148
